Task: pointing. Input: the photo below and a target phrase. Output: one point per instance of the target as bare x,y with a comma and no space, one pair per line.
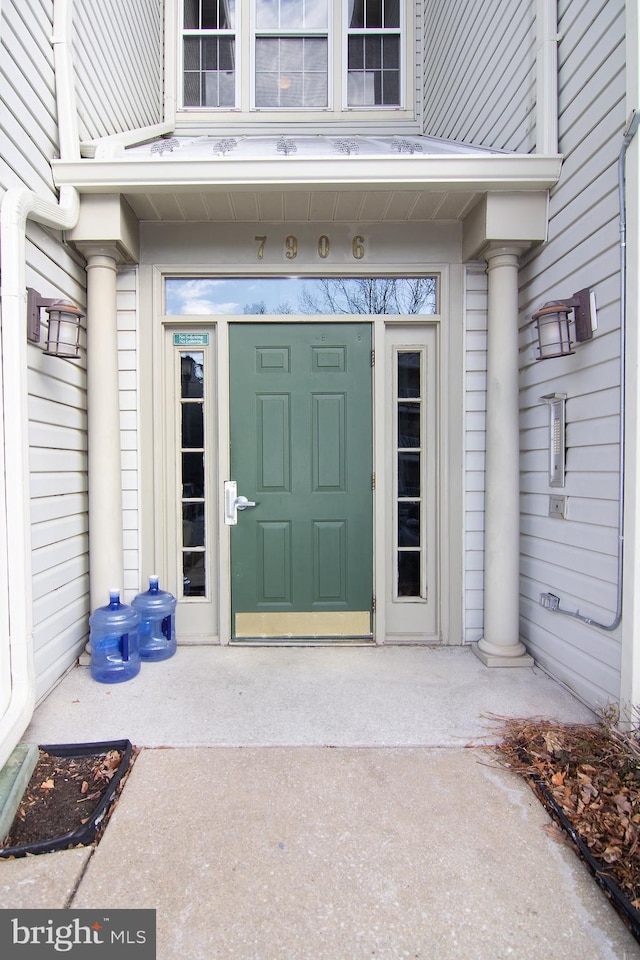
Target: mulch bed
62,795
588,777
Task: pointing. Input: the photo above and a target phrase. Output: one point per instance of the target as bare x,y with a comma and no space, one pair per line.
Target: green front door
301,450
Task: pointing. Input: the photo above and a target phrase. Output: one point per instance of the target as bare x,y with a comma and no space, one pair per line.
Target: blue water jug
114,641
157,610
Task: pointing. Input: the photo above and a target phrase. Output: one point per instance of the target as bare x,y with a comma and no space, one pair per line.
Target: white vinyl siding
58,476
127,305
576,558
474,448
480,72
56,388
118,56
27,96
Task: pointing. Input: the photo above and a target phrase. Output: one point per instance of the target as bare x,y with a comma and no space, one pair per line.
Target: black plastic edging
611,888
84,834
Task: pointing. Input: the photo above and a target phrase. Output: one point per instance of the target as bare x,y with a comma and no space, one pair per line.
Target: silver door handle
233,502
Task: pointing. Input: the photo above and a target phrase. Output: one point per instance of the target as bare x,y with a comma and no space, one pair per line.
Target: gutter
495,172
113,145
18,206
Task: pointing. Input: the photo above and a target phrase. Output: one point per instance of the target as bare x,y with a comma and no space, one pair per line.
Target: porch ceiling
327,206
304,178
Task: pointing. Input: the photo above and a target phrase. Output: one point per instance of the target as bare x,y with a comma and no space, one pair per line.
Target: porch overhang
308,178
481,173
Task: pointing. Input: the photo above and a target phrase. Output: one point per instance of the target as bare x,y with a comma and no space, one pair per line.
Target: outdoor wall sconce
552,324
63,339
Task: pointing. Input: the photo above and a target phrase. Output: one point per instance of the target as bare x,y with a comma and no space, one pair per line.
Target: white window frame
182,33
245,115
404,43
255,33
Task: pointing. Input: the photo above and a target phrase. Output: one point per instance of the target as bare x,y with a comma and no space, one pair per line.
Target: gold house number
323,247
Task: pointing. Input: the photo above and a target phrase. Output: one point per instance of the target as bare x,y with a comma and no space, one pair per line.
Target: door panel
301,448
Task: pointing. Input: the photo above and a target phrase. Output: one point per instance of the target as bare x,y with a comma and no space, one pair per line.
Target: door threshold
302,642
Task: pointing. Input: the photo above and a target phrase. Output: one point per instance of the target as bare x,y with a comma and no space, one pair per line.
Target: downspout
547,39
630,131
18,206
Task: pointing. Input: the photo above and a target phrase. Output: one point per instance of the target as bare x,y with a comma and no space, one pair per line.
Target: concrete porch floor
397,843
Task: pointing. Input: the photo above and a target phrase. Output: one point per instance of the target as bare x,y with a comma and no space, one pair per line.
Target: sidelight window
409,492
192,473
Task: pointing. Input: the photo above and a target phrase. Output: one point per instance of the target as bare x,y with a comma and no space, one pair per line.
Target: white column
500,645
105,478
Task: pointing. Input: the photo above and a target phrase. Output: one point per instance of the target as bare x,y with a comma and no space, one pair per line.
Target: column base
492,657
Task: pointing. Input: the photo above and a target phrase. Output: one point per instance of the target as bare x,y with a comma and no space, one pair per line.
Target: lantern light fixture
63,338
553,324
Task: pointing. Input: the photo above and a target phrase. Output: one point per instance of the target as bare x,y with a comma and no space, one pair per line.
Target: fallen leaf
558,779
555,833
84,787
611,854
552,742
47,785
585,771
622,803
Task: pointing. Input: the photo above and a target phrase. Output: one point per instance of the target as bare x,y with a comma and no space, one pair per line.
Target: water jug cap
114,593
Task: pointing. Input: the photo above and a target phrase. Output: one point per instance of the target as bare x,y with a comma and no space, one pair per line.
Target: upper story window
373,61
209,53
278,55
292,53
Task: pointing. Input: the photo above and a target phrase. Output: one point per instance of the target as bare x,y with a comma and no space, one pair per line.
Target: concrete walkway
398,842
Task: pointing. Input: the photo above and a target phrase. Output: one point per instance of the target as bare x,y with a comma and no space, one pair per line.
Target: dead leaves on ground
593,774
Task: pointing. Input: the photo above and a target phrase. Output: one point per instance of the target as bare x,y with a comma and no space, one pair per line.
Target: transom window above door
294,55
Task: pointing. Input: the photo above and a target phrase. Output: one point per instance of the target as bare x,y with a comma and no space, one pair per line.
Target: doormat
69,797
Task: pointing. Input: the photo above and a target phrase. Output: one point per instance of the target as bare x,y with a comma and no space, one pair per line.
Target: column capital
509,250
100,254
